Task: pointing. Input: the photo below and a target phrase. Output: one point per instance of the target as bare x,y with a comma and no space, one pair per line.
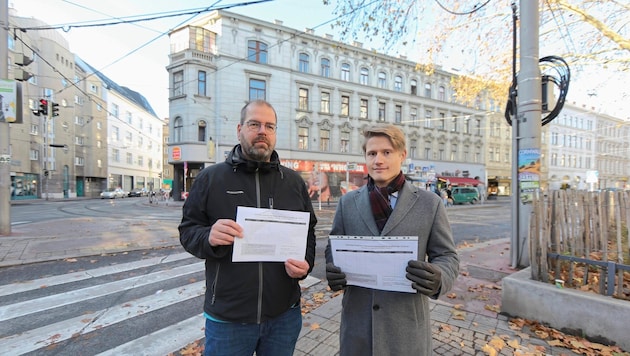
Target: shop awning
460,181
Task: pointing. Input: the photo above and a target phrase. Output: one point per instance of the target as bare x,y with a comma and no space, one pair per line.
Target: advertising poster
528,173
7,101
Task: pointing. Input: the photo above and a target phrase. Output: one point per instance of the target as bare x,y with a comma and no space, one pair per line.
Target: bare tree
477,36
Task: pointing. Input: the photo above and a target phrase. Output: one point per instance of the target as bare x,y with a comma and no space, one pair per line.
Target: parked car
137,193
113,193
463,195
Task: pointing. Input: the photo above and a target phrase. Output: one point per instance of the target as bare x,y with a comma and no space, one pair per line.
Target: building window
115,134
303,99
467,125
414,87
363,110
325,103
345,142
178,128
345,72
398,114
140,161
345,105
381,111
325,67
34,155
129,158
128,138
466,153
413,115
256,52
398,83
382,80
34,129
441,93
364,76
304,62
455,127
427,151
478,126
79,161
116,155
303,138
413,146
454,153
201,83
178,83
201,131
441,152
427,90
428,116
129,118
115,111
324,140
257,89
442,122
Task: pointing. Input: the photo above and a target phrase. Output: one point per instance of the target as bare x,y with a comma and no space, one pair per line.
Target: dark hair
260,102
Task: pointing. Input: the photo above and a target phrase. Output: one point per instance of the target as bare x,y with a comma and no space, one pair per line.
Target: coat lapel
362,201
407,197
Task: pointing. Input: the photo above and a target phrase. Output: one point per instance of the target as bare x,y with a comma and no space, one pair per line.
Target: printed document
376,262
270,235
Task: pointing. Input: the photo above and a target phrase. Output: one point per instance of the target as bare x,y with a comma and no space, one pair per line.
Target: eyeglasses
255,126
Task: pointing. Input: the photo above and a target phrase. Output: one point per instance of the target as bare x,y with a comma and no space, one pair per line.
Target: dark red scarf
379,199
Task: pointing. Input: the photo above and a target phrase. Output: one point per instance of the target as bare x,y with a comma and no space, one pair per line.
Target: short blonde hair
395,135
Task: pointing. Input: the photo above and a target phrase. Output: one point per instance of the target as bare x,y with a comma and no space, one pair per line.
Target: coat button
375,307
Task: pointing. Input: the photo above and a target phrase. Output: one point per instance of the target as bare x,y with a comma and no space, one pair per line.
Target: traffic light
43,106
160,175
54,109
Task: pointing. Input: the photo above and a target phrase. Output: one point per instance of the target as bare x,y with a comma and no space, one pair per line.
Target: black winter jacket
245,292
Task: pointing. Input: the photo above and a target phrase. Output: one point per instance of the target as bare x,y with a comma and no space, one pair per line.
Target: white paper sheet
376,262
270,235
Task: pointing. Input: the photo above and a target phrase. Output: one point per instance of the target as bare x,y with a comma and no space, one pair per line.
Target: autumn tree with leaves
588,34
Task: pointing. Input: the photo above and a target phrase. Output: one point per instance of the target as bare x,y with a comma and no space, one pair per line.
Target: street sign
5,159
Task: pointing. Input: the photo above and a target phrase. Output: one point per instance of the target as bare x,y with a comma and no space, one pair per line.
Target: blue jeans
274,337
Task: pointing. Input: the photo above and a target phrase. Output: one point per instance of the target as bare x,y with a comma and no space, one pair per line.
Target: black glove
336,278
425,277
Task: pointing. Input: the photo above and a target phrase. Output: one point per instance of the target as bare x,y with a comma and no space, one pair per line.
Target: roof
460,180
129,94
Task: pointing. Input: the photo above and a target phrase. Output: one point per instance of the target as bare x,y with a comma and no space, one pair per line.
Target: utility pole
526,131
5,147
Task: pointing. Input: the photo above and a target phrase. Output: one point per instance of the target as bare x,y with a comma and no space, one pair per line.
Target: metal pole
5,167
529,120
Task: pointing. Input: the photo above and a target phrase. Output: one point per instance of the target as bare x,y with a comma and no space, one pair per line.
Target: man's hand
425,277
295,268
336,278
223,232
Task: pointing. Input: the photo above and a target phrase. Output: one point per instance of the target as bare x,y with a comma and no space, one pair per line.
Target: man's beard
259,154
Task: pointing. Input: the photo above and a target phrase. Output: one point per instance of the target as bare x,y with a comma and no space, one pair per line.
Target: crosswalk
145,307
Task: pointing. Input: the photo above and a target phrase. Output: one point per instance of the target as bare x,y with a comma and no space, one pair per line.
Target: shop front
328,180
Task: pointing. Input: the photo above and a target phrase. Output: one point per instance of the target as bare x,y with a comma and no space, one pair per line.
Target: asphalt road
144,300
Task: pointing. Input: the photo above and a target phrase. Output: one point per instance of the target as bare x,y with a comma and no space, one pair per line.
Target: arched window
201,131
304,63
178,127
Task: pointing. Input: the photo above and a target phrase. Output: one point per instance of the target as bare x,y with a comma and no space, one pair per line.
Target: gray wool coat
376,322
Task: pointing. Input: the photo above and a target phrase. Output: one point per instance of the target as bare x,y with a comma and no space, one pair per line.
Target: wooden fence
580,239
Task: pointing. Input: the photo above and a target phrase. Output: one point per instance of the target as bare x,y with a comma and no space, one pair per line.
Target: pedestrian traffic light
43,106
54,109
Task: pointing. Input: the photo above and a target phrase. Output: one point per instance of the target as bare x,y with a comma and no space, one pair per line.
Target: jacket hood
237,160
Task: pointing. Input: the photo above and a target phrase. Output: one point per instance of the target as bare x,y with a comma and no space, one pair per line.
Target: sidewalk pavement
464,322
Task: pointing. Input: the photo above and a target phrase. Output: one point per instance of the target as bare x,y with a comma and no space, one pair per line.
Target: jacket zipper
214,284
260,265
